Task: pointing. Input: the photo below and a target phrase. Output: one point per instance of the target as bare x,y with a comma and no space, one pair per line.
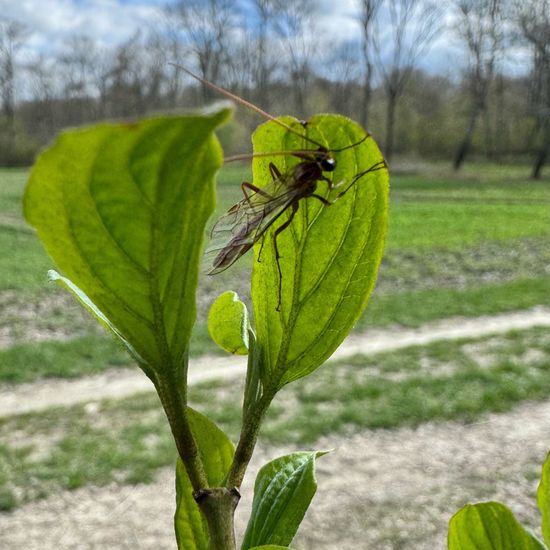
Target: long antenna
246,103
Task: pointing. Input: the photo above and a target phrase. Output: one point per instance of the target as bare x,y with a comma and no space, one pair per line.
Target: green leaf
282,493
121,209
228,323
216,451
489,526
271,547
543,499
329,254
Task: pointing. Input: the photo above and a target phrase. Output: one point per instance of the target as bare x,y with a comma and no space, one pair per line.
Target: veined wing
246,221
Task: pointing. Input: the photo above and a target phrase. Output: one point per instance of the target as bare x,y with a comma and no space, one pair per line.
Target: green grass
426,224
23,262
414,308
64,359
458,245
93,354
447,380
128,440
425,213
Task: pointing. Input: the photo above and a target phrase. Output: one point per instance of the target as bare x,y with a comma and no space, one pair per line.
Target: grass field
469,245
457,246
129,439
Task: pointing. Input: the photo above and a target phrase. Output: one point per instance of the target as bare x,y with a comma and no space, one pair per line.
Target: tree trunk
390,125
8,105
465,145
367,95
542,156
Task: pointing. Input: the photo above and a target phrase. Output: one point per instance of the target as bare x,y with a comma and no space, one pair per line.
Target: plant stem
172,394
218,507
247,440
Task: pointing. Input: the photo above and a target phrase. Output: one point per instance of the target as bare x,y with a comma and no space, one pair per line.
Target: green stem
218,507
172,394
247,440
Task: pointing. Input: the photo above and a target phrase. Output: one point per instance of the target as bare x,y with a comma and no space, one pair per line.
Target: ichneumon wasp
247,222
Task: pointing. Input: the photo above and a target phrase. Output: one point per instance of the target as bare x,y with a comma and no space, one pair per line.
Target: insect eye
328,164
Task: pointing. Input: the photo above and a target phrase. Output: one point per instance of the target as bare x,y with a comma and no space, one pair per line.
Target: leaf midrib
281,365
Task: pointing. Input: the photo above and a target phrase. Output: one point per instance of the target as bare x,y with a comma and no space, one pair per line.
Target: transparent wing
246,221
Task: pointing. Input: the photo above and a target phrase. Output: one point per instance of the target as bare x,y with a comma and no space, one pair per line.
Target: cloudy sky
110,22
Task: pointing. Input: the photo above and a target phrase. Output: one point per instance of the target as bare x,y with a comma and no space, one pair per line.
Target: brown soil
380,490
385,489
118,383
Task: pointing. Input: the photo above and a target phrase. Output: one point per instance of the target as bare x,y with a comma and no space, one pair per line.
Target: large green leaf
121,209
282,493
489,526
216,452
329,254
543,499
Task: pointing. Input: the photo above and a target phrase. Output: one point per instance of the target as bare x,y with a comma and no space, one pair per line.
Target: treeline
272,53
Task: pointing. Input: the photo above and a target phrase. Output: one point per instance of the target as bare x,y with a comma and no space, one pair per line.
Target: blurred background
439,80
442,395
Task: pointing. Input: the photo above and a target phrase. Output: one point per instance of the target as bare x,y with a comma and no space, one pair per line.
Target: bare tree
77,60
295,22
12,36
174,53
345,69
43,85
77,63
264,62
533,17
367,18
481,28
206,27
410,27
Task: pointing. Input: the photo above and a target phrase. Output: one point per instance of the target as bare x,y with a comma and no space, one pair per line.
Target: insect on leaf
329,255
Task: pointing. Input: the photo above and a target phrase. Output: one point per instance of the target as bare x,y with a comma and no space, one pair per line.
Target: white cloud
338,20
51,22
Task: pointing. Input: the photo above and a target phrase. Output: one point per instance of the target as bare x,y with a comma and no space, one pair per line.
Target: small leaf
216,451
228,323
543,499
121,209
282,493
329,255
489,526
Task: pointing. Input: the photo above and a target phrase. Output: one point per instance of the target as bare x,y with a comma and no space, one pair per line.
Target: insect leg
375,167
245,185
263,240
261,247
330,186
277,255
322,199
274,171
329,182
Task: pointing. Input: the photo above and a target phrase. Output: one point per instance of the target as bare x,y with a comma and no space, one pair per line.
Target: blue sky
51,22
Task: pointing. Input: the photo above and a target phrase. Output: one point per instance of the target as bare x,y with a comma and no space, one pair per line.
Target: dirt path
119,383
379,490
